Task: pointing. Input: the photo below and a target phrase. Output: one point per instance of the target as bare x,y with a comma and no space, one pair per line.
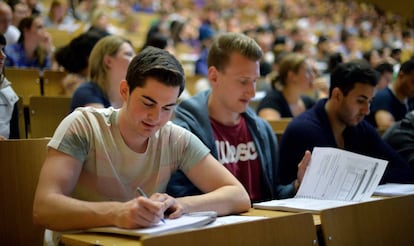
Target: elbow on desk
41,218
243,203
37,218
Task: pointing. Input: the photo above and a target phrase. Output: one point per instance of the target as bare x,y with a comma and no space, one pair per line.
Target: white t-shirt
12,35
7,100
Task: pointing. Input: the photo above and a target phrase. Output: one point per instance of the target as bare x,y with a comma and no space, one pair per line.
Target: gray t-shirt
111,170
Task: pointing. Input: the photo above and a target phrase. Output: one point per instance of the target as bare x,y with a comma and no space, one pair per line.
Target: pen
142,193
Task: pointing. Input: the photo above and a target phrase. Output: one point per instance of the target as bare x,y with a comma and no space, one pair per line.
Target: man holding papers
334,178
221,117
339,122
98,157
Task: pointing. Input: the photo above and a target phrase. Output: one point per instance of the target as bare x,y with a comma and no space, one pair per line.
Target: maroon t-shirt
237,152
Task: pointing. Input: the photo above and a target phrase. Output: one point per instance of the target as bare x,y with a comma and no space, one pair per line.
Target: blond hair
98,71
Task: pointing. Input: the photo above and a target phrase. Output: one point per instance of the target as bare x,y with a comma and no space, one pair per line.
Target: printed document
334,178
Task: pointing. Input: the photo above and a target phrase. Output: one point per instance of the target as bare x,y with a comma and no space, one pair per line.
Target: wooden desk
271,214
82,239
21,161
381,222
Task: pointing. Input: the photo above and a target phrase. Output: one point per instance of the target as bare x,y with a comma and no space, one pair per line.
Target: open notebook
333,178
187,221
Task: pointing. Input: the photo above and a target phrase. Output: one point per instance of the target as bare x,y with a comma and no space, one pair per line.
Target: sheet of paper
336,174
333,178
302,204
233,219
187,221
392,189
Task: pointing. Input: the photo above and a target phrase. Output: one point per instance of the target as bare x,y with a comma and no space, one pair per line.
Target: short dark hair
346,75
384,67
2,40
228,43
155,63
407,66
74,56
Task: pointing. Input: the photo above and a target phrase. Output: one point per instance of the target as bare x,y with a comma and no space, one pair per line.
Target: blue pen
142,193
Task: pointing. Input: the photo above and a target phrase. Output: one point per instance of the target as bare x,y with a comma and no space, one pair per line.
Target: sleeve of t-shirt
72,136
194,152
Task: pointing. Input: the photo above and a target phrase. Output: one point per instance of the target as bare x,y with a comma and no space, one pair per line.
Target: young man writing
98,157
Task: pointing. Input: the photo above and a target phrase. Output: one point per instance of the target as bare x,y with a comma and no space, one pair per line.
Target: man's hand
145,212
303,164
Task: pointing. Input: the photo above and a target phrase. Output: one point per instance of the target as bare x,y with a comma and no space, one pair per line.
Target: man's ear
124,90
212,74
337,94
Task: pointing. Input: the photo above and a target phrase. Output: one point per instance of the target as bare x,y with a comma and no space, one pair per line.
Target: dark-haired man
98,157
339,122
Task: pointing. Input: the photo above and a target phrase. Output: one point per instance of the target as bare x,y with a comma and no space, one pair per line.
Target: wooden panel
60,38
21,161
25,82
22,119
52,83
272,231
382,222
92,239
46,113
280,125
192,86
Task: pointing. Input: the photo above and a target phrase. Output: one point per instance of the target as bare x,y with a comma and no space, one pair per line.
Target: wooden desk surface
83,239
271,213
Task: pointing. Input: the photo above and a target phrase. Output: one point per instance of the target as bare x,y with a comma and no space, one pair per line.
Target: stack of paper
187,221
392,189
333,178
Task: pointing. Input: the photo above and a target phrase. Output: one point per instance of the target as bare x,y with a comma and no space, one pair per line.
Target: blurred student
393,102
9,124
386,73
34,48
19,10
287,97
108,65
58,16
401,137
73,58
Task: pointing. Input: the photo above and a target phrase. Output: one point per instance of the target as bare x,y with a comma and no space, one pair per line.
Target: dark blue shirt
274,99
312,129
88,93
386,100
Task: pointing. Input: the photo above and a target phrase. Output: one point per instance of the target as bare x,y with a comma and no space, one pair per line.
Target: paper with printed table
333,178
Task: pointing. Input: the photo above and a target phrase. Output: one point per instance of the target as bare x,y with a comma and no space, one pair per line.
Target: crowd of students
218,153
